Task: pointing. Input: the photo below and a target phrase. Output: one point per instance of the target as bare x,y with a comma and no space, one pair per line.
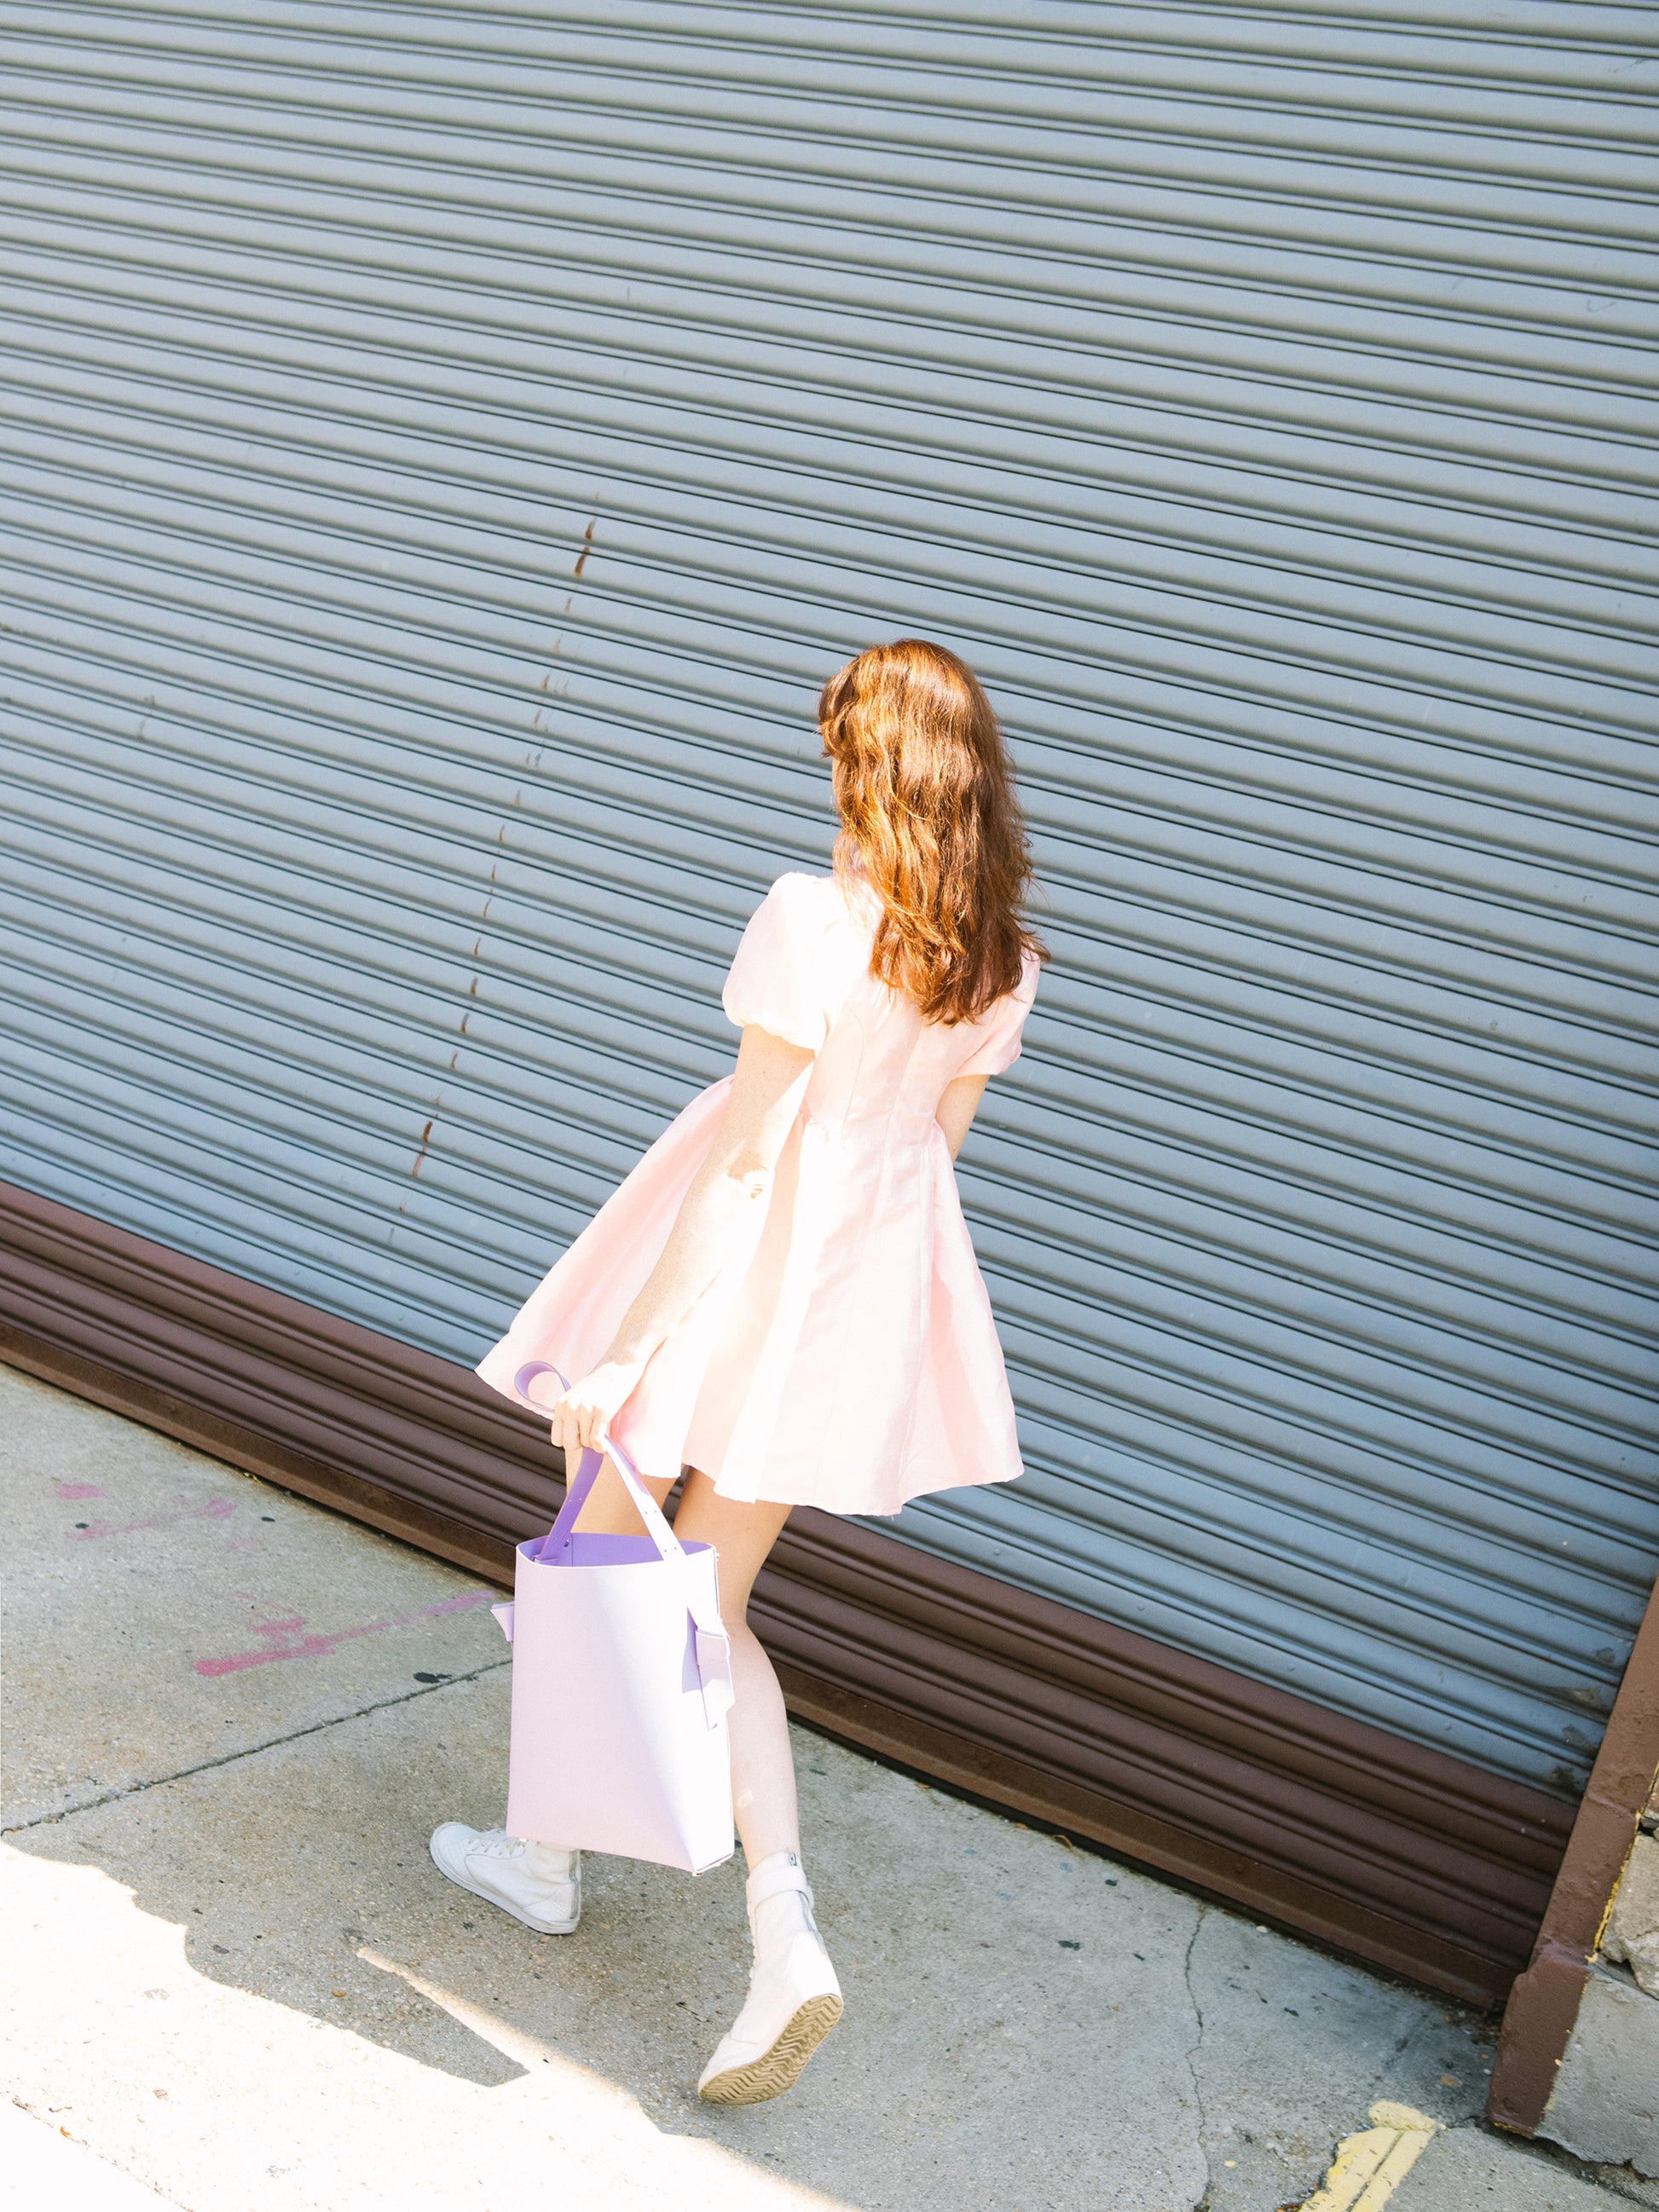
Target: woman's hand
582,1419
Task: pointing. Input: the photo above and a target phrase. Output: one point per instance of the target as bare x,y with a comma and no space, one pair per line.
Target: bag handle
714,1645
558,1539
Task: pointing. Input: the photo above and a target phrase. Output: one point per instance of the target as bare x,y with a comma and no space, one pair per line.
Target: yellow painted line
1369,2167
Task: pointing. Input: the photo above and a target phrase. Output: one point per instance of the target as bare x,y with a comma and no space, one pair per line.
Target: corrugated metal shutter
445,447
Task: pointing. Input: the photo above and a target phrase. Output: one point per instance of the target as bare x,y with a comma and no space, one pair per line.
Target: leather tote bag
621,1680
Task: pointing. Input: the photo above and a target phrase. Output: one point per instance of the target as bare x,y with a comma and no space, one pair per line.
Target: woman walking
782,1298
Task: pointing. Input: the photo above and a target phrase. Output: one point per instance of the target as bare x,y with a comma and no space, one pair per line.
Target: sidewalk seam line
249,1751
1191,2056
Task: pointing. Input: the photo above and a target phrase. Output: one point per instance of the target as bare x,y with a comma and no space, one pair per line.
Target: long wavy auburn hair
926,791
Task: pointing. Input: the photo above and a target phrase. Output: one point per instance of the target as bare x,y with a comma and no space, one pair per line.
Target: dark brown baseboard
1408,1858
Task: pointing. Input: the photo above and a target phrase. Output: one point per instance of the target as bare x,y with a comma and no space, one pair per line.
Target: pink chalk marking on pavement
70,1490
216,1509
286,1643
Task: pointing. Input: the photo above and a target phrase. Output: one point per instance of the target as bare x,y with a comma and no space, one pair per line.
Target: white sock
778,1920
550,1862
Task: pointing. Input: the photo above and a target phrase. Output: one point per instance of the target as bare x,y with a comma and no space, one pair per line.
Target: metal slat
1399,232
1427,615
1371,799
1359,340
1407,707
1132,374
1225,385
1360,320
1387,892
100,436
1474,1064
780,391
1387,1057
1093,106
607,999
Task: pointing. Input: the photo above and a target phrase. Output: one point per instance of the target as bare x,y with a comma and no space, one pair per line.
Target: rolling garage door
443,448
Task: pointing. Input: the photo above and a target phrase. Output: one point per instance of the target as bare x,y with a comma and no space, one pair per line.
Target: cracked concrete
1470,2169
1193,2050
235,1974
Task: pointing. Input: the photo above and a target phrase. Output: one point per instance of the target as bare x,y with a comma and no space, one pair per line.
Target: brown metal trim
1407,1857
1543,2005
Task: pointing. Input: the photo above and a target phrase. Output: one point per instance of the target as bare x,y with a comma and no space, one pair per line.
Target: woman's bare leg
608,1509
795,1998
763,1764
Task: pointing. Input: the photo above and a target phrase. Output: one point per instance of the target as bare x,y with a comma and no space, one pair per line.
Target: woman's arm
716,1212
958,1108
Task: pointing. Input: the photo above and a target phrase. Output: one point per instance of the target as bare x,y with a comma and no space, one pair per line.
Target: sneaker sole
780,2068
537,1927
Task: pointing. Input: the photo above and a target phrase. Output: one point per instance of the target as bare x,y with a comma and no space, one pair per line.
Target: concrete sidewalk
232,1973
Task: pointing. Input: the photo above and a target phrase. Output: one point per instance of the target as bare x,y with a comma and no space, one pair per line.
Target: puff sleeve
997,1032
778,979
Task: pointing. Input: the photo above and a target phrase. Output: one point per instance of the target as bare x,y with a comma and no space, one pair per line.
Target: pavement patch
1369,2167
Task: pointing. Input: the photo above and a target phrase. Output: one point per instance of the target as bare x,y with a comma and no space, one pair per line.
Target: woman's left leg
762,1765
794,1999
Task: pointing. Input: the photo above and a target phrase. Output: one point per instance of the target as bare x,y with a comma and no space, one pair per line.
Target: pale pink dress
845,1356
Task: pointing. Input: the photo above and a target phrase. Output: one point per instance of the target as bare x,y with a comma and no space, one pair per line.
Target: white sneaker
794,1999
535,1883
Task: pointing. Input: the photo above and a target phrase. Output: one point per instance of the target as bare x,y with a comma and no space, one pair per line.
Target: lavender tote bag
621,1680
